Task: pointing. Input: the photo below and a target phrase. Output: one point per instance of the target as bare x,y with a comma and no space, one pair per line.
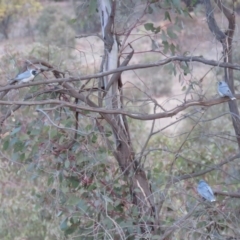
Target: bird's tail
12,82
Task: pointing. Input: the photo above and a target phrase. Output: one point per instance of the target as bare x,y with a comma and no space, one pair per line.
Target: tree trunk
139,187
226,40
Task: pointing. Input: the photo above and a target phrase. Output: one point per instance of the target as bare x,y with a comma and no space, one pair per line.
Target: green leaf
67,164
177,4
73,182
18,146
34,149
74,219
24,137
166,46
6,144
53,132
92,7
148,26
73,200
171,34
35,132
167,16
61,139
149,10
68,123
31,167
157,30
16,130
82,205
186,13
73,20
172,48
174,70
59,213
108,133
108,223
107,199
94,138
15,157
62,197
65,224
22,156
13,141
88,127
50,180
185,68
71,229
177,28
164,36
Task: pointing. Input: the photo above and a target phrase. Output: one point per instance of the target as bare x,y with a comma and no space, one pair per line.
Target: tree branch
116,76
220,36
133,115
33,95
209,169
178,224
128,68
227,194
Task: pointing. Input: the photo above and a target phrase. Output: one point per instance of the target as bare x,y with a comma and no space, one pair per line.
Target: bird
224,90
205,191
24,77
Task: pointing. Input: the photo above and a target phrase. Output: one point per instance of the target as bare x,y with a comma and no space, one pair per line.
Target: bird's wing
210,190
226,91
229,92
205,191
22,76
202,190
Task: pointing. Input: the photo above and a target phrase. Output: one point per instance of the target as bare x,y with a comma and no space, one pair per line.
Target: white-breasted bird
224,90
205,191
24,77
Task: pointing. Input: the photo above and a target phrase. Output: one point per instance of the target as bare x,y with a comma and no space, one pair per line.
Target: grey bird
24,77
224,90
205,191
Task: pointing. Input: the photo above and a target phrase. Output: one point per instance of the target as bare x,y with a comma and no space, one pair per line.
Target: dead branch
128,68
209,169
134,115
178,224
227,194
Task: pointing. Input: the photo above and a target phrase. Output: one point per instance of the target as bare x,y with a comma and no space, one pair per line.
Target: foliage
20,207
55,28
13,8
86,18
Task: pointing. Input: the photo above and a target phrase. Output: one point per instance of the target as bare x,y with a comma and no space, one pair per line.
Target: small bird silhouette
24,77
224,90
205,191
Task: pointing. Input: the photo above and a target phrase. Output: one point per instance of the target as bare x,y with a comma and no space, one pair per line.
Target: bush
61,34
43,23
54,28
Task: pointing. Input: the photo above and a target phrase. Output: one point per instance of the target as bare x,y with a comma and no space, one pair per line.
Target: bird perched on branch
205,191
224,90
24,77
